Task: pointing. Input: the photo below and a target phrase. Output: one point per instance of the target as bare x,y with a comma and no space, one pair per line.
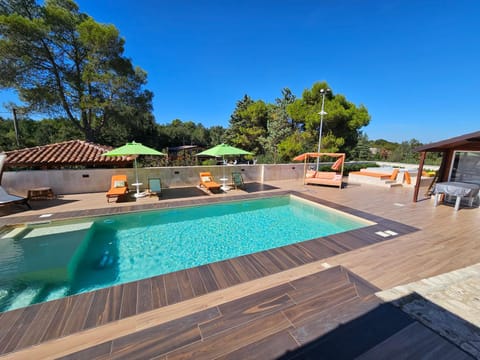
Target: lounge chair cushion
206,179
117,191
119,184
310,174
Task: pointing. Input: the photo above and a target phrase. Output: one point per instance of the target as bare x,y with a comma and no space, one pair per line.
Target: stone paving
449,304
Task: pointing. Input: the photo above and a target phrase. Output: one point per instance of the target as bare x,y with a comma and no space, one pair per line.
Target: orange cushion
310,174
325,175
211,184
117,191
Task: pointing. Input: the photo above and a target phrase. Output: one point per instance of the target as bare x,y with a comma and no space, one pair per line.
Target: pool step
24,298
11,299
13,233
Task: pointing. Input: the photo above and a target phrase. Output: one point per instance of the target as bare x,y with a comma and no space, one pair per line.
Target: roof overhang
469,141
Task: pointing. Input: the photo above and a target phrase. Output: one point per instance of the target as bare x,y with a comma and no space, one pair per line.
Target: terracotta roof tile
67,153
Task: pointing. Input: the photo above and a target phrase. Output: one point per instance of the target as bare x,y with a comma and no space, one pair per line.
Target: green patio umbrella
223,150
133,149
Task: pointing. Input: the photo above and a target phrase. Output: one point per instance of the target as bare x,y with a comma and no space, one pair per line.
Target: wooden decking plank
347,241
184,285
97,313
312,307
207,278
415,342
129,299
159,296
236,338
243,268
144,296
317,250
328,277
363,287
240,311
171,288
317,284
113,307
398,227
298,253
98,352
278,259
285,257
76,321
161,339
66,309
196,281
10,318
368,234
266,262
255,265
332,244
15,332
324,322
270,347
224,273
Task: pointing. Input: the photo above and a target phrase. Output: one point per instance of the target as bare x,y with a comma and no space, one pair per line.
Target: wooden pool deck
297,301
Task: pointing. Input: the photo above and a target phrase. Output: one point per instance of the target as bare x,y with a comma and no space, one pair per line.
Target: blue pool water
45,263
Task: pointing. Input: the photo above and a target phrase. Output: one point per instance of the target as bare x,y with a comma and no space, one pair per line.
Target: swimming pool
46,262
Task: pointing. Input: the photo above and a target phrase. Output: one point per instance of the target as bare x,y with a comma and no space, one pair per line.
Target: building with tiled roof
66,154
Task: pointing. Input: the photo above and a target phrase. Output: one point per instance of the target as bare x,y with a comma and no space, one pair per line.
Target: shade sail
302,157
222,150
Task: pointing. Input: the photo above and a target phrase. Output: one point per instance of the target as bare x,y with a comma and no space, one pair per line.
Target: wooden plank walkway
293,320
385,263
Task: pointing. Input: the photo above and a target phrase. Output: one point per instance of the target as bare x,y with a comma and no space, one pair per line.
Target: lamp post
321,113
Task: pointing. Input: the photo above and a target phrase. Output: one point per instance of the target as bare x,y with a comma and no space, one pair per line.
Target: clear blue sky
415,65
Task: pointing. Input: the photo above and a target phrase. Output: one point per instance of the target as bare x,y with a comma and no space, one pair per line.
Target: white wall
98,180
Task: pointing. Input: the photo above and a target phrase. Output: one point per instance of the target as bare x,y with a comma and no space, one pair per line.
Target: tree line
62,62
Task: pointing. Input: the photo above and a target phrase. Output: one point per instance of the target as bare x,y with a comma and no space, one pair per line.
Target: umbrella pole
224,178
137,184
136,170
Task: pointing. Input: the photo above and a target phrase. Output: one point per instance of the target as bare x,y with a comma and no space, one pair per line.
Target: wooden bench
43,193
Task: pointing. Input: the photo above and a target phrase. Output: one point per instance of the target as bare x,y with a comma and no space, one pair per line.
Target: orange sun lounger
206,180
119,187
382,176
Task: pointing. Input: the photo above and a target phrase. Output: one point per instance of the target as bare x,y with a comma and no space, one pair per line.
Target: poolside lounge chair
237,180
6,198
383,176
154,187
119,187
206,180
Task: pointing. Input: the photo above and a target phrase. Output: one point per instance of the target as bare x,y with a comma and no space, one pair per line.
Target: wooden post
419,176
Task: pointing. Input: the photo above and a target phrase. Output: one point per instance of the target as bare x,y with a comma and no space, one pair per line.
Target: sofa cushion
325,175
310,174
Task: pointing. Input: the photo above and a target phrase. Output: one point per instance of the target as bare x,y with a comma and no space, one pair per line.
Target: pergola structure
448,147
